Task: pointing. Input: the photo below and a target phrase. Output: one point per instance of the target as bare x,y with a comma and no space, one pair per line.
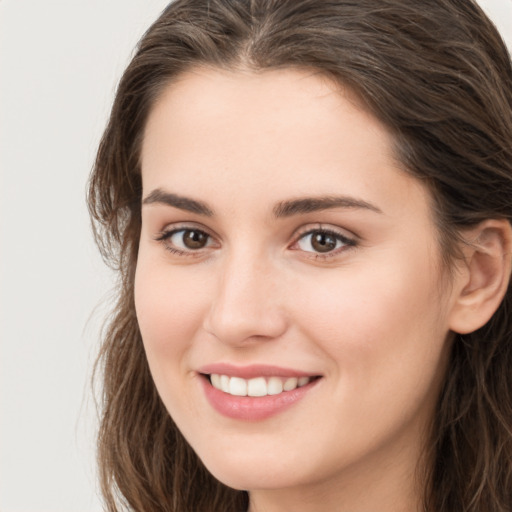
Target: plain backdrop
59,64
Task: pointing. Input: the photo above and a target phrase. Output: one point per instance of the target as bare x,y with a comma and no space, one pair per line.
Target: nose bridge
246,305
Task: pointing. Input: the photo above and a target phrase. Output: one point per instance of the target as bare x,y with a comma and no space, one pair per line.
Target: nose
247,306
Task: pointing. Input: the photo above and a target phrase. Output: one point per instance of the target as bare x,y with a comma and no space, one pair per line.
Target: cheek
169,308
379,323
384,337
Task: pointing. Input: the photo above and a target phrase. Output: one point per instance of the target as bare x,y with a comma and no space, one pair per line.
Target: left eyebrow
315,204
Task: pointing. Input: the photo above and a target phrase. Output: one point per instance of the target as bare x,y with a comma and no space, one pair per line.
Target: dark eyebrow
282,209
183,203
314,204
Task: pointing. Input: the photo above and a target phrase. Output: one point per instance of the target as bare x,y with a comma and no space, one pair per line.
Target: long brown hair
438,75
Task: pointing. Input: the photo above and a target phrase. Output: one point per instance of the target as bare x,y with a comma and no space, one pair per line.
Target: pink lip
249,372
252,408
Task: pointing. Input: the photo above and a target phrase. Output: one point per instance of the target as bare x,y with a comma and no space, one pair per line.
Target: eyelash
347,242
164,236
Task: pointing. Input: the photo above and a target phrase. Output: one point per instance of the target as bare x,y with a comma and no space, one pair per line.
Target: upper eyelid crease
346,239
166,233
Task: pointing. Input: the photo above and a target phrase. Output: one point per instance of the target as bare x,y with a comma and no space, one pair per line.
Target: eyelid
349,239
167,232
169,229
328,228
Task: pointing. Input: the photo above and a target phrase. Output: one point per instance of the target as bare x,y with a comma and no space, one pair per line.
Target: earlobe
482,284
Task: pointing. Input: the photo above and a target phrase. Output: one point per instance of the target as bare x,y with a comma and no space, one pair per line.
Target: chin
249,478
241,470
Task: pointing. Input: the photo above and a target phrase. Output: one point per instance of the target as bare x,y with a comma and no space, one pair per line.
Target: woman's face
284,252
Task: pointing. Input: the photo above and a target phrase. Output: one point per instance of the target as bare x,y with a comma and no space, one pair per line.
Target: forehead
264,135
279,101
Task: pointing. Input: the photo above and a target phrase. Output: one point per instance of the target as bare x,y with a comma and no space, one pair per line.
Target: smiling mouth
258,386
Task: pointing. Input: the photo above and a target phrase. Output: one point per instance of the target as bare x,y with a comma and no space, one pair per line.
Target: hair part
439,77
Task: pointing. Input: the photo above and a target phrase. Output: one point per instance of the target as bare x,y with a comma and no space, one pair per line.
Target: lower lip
253,408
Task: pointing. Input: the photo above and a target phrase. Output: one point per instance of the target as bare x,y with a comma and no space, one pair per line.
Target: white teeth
224,383
259,386
290,383
237,386
302,381
216,381
274,386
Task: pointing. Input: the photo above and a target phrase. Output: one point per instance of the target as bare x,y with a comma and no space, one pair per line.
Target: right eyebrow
183,203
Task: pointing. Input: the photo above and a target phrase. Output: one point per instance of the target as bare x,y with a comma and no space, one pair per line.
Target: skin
372,319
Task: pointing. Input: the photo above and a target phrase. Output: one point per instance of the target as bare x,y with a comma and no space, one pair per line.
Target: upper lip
251,371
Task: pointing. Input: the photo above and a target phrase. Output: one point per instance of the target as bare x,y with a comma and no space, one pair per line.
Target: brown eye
186,240
321,241
193,239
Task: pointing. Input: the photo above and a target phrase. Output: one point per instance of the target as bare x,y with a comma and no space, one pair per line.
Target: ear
482,281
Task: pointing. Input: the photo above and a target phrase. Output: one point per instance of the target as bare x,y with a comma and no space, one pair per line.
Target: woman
309,207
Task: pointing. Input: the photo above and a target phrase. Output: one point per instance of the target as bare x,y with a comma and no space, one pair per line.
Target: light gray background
59,64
